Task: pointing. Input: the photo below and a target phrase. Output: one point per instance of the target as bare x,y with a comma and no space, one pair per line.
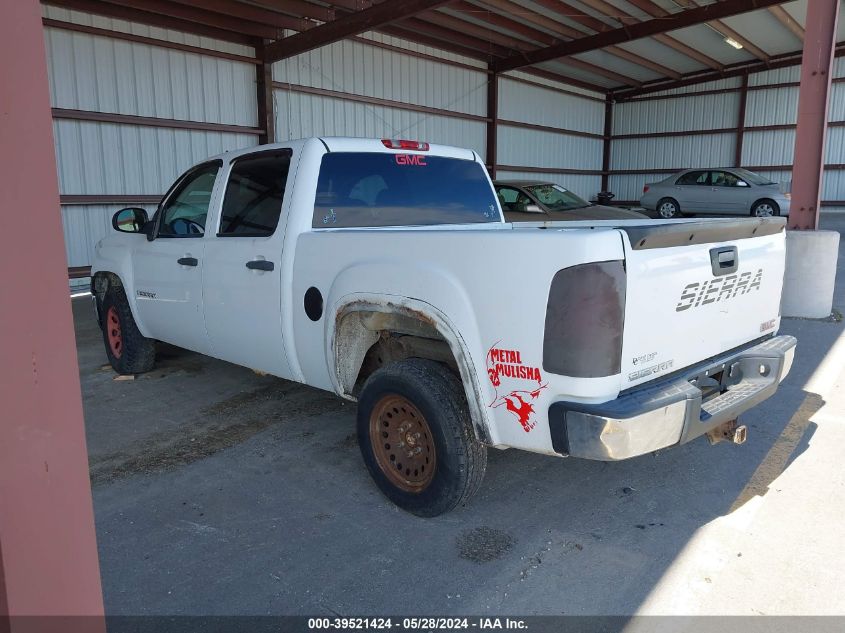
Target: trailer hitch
730,431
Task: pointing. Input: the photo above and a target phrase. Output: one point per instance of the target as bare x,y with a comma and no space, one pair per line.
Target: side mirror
533,208
741,183
129,220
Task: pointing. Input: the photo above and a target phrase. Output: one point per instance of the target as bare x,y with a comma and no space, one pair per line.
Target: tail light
645,188
584,320
392,143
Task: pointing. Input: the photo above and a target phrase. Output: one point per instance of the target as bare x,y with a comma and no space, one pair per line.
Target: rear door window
693,178
253,201
380,189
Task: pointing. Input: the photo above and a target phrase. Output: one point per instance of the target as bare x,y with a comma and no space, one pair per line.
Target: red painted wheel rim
113,332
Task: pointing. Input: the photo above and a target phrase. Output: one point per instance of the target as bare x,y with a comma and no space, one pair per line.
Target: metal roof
624,47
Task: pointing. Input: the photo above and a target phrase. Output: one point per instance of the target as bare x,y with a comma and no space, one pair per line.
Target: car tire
416,437
128,351
765,209
668,208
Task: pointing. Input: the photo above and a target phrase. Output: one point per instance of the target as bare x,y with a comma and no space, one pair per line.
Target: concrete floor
218,491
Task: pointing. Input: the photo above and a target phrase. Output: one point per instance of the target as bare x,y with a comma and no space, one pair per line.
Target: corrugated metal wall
574,110
761,148
357,68
100,74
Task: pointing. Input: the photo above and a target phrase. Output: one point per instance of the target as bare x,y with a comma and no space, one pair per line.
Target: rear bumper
672,411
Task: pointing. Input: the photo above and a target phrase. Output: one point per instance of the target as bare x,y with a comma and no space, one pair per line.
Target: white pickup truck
383,270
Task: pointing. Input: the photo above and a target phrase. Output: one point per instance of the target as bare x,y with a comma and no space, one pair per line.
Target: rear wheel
128,351
765,209
416,437
668,208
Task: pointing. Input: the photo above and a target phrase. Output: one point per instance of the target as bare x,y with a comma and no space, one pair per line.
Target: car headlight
788,196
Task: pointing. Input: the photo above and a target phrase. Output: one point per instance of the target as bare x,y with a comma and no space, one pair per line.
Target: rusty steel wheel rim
113,332
402,443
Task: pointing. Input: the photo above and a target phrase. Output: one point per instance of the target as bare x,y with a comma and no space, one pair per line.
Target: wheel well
102,281
367,339
756,202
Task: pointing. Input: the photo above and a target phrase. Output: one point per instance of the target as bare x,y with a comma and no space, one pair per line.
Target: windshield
556,198
752,178
362,189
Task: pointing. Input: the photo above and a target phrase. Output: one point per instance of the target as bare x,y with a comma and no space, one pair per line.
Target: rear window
380,189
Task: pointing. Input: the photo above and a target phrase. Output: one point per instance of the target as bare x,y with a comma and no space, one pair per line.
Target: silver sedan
722,191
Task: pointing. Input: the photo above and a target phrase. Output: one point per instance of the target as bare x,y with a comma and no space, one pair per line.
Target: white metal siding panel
836,111
421,48
554,84
630,186
532,148
673,152
78,17
301,115
84,226
833,186
775,106
531,104
357,68
835,146
718,84
771,147
585,186
102,74
776,76
671,115
106,158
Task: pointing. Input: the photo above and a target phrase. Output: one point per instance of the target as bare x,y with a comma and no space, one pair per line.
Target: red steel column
48,550
816,70
492,122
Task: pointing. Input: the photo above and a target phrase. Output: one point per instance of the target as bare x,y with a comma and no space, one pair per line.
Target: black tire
760,204
136,353
663,209
459,458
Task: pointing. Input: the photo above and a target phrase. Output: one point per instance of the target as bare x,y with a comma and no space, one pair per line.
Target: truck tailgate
696,289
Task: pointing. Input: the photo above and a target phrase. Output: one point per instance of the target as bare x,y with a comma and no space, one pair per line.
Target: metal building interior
599,95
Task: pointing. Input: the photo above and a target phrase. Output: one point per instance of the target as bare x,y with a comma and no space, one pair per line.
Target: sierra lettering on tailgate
719,289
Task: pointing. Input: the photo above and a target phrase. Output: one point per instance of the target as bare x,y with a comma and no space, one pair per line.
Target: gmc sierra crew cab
383,270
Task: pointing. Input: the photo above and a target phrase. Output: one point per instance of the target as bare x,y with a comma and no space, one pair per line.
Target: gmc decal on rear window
719,289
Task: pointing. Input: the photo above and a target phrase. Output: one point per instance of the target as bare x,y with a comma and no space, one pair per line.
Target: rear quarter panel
492,285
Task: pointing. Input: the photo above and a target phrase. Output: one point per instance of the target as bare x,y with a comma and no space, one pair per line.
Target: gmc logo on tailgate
719,289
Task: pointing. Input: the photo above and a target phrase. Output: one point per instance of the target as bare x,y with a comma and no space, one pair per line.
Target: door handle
260,264
187,261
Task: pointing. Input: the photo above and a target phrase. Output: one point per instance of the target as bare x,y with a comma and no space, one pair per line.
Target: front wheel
128,351
765,209
668,208
416,437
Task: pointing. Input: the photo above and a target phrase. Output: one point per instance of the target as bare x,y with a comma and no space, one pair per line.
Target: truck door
168,270
242,280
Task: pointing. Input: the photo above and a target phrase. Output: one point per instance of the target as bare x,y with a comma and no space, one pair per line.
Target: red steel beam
726,31
352,24
740,121
782,16
648,28
732,70
201,16
617,14
813,98
251,13
264,100
49,571
153,19
492,122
